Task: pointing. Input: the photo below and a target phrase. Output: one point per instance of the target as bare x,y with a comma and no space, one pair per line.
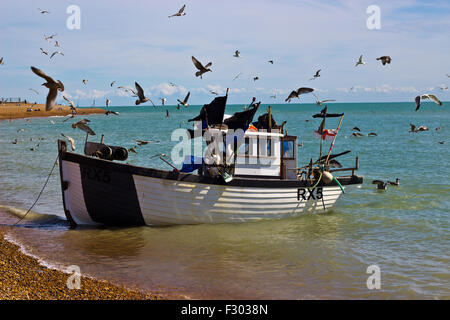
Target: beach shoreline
22,277
10,111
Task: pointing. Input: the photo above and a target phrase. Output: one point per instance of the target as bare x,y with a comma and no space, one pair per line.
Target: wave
32,216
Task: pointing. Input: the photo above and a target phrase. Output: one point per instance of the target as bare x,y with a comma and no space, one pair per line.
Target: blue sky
128,41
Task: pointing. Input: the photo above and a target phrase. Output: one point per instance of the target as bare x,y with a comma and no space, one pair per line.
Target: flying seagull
297,93
56,52
213,92
385,59
381,185
44,52
47,38
357,134
236,54
427,96
85,81
321,102
163,101
360,61
255,78
396,183
356,129
317,75
270,61
56,44
112,83
72,105
83,126
141,96
43,11
72,141
202,69
1,61
443,87
184,102
173,84
53,87
107,102
179,13
108,112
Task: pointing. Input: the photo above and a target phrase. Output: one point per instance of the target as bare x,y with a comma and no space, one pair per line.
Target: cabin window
265,147
288,149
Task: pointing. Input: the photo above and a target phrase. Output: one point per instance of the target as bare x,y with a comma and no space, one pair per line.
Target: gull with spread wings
53,87
140,94
296,93
426,96
184,102
179,13
201,69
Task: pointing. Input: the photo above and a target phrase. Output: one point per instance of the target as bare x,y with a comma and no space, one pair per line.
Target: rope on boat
42,190
339,184
318,180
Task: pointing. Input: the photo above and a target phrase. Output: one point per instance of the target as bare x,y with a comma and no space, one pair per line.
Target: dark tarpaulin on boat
328,115
241,120
263,122
212,113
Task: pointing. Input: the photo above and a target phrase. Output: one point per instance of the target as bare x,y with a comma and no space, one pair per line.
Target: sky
134,40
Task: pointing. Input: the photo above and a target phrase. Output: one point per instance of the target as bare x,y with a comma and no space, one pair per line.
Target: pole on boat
270,118
332,144
168,163
87,137
101,140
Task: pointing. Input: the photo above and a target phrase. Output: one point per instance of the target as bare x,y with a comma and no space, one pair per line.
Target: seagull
167,112
360,61
44,52
396,183
72,141
179,13
56,44
141,96
35,91
72,105
443,88
381,185
56,52
132,149
334,164
385,59
317,75
52,86
422,128
83,126
297,93
173,84
213,92
357,134
255,78
270,61
85,81
372,134
184,102
111,112
427,96
144,142
43,11
441,142
163,101
107,102
1,61
236,54
202,69
319,102
47,38
237,76
413,128
356,129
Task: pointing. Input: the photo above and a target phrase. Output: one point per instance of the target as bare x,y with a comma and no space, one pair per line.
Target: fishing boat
263,181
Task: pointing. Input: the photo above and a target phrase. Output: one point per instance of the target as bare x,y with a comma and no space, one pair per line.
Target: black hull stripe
129,170
110,196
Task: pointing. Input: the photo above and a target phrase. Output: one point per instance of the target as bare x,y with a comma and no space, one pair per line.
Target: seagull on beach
360,61
317,75
297,93
179,13
201,69
385,59
184,102
53,87
82,125
72,141
426,96
56,52
140,94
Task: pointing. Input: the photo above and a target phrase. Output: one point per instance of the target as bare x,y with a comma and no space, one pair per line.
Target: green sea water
405,230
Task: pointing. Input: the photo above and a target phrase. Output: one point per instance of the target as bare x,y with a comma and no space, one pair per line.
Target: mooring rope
318,180
40,193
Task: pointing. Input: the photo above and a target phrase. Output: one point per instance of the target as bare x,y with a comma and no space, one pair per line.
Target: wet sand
23,278
19,111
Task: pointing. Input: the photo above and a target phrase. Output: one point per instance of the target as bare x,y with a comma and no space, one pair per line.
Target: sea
374,244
